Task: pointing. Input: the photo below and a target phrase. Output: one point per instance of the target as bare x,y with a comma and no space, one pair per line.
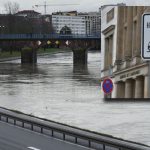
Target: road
15,138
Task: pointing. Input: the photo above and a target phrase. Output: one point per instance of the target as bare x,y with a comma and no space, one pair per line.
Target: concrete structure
75,23
28,55
130,73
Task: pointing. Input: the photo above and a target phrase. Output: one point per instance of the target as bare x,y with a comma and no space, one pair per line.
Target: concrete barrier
67,133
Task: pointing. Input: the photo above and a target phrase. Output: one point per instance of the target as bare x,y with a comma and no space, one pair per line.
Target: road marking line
33,148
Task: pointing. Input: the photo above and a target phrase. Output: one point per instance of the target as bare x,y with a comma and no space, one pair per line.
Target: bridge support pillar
80,57
28,55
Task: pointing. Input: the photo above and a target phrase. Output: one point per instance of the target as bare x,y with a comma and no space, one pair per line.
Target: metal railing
69,134
32,36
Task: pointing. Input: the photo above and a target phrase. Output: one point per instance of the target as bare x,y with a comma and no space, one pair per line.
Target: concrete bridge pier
80,69
80,57
95,44
80,54
29,54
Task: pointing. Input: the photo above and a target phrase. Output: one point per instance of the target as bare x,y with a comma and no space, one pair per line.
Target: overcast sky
84,5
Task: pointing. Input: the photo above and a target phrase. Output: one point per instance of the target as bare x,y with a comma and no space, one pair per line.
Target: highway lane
16,138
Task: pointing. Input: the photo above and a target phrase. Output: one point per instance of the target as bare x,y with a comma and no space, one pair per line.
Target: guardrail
32,36
69,134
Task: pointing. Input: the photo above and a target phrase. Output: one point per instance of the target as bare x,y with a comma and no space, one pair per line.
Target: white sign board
145,49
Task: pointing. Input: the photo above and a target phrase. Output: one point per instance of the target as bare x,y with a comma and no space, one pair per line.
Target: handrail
81,137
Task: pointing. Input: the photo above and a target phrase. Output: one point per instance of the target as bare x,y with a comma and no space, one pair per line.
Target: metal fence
31,36
70,134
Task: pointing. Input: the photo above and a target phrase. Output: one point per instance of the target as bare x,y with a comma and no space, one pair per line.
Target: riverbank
7,56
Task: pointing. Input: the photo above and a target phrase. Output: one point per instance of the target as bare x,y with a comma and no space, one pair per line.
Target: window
110,15
108,51
134,36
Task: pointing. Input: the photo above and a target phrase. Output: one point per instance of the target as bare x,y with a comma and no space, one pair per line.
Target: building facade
75,23
108,41
79,23
92,21
130,73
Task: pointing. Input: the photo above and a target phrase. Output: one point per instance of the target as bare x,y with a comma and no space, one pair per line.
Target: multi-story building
130,73
66,13
92,21
79,23
28,13
70,20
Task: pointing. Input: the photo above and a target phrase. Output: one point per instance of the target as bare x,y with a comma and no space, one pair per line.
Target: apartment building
92,21
79,23
70,20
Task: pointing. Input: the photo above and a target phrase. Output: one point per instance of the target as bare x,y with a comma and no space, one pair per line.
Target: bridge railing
31,36
69,134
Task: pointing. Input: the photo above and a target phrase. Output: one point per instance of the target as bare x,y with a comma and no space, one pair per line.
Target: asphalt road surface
15,138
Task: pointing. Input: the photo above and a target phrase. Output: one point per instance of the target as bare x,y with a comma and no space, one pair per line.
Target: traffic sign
39,43
57,42
48,42
68,42
145,42
107,86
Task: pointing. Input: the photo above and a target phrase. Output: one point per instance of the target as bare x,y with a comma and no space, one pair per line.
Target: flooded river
57,90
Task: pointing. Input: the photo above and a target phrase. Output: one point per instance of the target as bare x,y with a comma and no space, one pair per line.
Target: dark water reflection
57,90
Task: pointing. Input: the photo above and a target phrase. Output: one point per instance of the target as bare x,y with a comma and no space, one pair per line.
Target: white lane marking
33,148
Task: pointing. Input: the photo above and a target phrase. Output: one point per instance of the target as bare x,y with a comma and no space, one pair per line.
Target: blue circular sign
107,86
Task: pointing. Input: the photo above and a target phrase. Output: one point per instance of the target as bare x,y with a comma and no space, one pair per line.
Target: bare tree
11,8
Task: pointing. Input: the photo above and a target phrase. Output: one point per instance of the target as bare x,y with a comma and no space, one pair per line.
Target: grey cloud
85,5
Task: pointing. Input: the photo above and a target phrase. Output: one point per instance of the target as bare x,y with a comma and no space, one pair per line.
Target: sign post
145,40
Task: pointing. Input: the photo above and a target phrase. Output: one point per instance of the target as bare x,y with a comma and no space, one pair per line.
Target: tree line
11,23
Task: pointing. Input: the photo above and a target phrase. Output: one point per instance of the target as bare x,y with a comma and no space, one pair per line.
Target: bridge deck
48,37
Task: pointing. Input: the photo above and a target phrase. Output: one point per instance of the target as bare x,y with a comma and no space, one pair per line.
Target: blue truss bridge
32,36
